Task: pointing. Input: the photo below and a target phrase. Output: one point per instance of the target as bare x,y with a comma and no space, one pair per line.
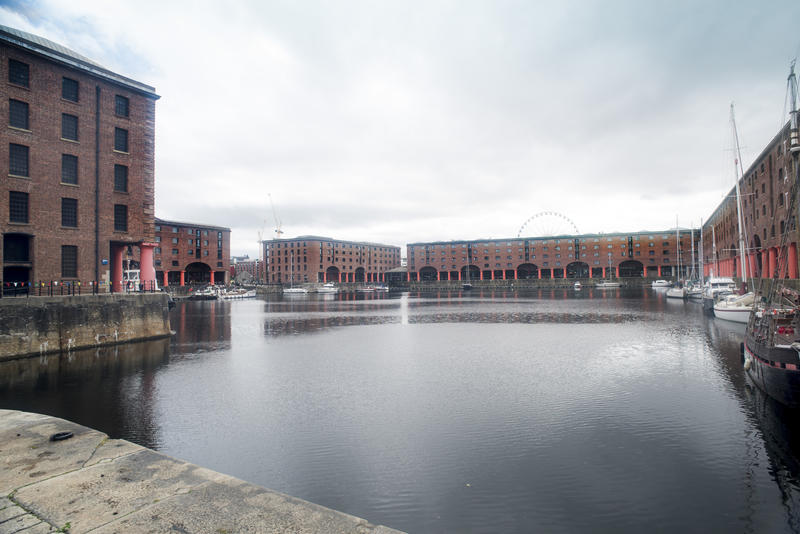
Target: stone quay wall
40,325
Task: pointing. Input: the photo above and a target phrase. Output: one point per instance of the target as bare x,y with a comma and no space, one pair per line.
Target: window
205,253
18,73
120,218
17,207
158,250
174,229
191,242
174,240
175,262
121,179
121,106
17,160
18,114
120,140
69,169
69,127
205,242
174,251
69,89
158,238
219,264
69,261
191,252
158,228
69,212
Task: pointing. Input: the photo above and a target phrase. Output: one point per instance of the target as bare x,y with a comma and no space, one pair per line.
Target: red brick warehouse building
78,148
618,255
764,189
191,254
322,259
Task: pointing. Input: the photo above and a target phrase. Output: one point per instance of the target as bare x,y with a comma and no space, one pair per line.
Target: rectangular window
69,89
121,106
17,207
121,178
69,212
69,169
191,252
158,250
69,261
120,140
69,127
18,114
120,218
17,160
175,253
174,240
18,73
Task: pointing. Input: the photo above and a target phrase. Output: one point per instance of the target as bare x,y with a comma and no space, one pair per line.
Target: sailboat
607,283
466,286
771,350
737,308
291,290
678,291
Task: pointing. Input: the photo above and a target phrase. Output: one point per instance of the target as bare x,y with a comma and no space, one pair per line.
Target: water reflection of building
199,322
112,389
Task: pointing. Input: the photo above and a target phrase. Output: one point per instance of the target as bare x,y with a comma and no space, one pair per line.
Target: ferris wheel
548,223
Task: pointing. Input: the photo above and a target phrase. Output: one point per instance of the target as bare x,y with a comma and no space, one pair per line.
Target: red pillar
590,273
166,279
183,283
773,260
116,268
793,261
212,278
616,270
539,272
147,270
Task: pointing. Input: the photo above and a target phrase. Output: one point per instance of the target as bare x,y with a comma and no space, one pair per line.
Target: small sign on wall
104,261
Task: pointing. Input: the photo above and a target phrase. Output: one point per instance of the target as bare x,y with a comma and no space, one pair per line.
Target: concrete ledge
91,482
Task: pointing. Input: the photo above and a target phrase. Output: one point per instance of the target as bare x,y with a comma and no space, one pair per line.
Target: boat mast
693,275
714,258
737,164
700,253
678,247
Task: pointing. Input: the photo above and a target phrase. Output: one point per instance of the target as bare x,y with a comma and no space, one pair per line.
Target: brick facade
320,259
188,253
764,190
64,89
650,254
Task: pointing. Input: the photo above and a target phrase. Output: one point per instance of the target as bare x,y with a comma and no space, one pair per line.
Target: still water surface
553,411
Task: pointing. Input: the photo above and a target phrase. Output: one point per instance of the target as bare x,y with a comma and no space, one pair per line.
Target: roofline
331,240
76,63
670,231
165,222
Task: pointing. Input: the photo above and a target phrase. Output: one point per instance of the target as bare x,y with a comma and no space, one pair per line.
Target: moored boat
771,350
660,284
735,308
607,284
678,292
328,288
577,286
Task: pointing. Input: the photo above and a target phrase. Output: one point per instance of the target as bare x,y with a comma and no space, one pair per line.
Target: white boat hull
734,314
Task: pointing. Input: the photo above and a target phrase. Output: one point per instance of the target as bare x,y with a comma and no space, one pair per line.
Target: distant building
322,259
243,264
764,189
618,255
77,146
189,253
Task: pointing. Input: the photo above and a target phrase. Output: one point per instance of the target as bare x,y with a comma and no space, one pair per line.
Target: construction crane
278,223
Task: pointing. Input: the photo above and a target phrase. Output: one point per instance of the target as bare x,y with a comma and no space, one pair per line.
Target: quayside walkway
90,483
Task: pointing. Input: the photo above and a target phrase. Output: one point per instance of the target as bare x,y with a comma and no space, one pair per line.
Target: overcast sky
407,121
